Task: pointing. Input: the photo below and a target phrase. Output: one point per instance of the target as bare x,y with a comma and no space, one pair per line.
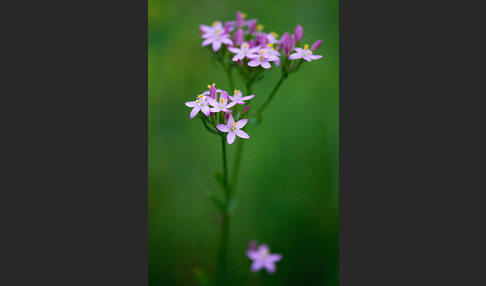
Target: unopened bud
299,33
245,110
238,38
316,45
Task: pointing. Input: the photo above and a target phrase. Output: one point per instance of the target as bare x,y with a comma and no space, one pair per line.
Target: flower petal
215,109
216,45
248,97
270,266
234,50
194,111
295,56
231,137
190,103
207,42
241,123
253,63
274,257
212,101
230,120
242,134
315,57
256,266
266,65
205,110
231,104
252,254
223,127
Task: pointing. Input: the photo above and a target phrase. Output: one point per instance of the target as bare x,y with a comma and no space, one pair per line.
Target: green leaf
202,278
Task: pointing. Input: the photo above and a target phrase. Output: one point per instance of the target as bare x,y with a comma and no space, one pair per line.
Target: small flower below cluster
262,258
305,54
233,129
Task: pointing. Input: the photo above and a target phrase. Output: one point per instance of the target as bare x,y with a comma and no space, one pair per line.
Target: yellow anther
274,34
215,23
261,52
233,124
222,100
197,100
214,84
245,46
200,96
236,91
243,15
209,86
309,52
306,47
259,27
270,45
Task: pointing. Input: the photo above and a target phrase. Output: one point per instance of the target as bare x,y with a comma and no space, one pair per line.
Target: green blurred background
288,187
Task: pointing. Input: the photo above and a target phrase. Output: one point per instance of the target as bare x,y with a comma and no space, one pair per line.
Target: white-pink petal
241,123
266,65
206,42
253,63
194,111
242,134
231,137
212,101
190,103
223,127
295,56
216,45
205,110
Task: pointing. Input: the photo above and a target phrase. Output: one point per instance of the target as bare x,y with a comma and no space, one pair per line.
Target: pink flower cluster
247,40
208,103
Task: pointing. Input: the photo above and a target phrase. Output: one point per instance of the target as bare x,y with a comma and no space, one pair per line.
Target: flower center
270,46
222,100
245,46
233,126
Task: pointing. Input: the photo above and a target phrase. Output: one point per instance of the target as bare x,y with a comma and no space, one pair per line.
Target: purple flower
222,104
238,37
316,45
304,53
299,33
240,19
245,51
212,91
199,104
215,35
272,38
233,129
263,259
260,60
239,98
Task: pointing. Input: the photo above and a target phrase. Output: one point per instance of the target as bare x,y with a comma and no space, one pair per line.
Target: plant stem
223,250
269,98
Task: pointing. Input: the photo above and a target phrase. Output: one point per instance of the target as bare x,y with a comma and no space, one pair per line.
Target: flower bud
252,43
240,63
316,45
292,43
226,116
201,30
286,48
212,92
252,25
283,40
239,20
226,28
238,38
299,33
262,40
253,245
245,110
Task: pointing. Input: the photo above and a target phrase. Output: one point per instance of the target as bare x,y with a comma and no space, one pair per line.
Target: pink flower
233,129
222,104
199,104
244,51
263,259
305,54
239,98
215,35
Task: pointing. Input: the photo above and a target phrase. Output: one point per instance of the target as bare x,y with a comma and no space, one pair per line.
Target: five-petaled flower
233,129
304,53
244,51
199,104
261,60
239,98
215,35
222,104
262,258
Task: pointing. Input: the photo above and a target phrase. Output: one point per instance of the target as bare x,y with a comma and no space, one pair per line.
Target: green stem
269,98
223,251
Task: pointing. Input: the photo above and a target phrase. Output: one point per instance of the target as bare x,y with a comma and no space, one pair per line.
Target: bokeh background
288,187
